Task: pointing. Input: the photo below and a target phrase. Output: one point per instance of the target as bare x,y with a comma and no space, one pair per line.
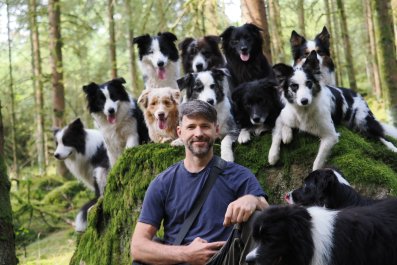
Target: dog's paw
286,135
274,155
244,137
177,142
227,155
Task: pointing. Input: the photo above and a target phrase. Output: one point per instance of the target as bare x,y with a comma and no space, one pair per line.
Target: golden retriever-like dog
160,107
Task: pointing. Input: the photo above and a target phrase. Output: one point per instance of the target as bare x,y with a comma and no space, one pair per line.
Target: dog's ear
186,81
226,34
324,37
296,39
143,98
168,36
311,63
175,95
220,73
77,124
90,88
253,27
140,40
237,94
282,72
212,39
55,130
120,80
183,45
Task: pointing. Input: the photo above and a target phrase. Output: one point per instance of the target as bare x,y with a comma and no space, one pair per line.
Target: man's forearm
262,203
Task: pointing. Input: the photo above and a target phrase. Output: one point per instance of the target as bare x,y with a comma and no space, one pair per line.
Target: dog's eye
150,52
321,53
234,42
294,87
307,54
309,84
212,86
206,54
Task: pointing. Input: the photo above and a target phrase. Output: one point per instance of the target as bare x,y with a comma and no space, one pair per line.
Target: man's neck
195,164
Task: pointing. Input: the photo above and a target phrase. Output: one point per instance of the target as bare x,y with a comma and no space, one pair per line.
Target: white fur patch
79,223
199,59
340,178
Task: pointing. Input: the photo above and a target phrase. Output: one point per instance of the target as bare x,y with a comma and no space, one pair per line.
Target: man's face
198,135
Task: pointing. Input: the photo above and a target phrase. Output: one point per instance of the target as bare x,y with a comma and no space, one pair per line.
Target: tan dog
161,112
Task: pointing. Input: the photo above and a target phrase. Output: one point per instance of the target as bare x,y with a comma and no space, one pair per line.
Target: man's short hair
197,108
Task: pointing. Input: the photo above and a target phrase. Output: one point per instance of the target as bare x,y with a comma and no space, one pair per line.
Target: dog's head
317,188
207,86
157,51
301,48
105,98
300,85
201,54
70,140
258,100
244,42
160,106
283,237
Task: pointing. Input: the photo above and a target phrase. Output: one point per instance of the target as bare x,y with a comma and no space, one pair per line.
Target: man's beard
200,151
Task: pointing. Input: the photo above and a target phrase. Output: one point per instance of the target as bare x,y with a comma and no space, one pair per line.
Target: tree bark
330,28
277,33
54,17
1,132
301,17
387,58
112,39
38,85
347,46
394,10
254,11
131,51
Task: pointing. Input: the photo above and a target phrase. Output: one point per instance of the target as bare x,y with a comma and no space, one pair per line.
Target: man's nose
198,131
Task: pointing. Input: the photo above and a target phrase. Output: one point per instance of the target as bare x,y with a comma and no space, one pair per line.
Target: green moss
111,222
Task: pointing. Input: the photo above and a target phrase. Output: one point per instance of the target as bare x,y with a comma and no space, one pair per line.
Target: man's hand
199,251
240,210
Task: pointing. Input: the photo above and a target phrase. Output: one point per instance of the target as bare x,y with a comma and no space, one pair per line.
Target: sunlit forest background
49,49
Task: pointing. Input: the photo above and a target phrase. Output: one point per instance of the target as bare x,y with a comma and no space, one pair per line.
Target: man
236,194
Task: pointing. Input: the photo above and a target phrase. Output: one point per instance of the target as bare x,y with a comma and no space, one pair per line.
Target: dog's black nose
199,66
304,101
111,110
57,156
256,119
244,49
211,101
161,115
160,63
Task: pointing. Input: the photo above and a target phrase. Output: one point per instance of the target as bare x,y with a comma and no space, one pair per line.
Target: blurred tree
112,39
301,17
277,33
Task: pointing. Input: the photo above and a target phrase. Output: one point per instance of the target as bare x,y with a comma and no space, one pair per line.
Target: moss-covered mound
368,165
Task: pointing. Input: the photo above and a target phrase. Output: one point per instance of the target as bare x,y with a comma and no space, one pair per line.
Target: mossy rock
368,165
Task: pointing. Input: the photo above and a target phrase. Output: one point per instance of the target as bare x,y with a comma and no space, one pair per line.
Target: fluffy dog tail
390,130
81,217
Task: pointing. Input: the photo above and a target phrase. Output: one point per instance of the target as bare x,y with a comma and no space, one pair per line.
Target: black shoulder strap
217,168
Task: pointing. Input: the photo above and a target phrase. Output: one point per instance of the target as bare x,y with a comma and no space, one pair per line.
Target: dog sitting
201,54
256,106
84,153
294,235
161,113
117,116
158,59
245,60
327,188
209,86
314,107
301,48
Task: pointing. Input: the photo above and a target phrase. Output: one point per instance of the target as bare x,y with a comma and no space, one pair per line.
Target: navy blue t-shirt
172,193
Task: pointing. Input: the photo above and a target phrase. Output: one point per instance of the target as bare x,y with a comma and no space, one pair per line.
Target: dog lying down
295,235
327,188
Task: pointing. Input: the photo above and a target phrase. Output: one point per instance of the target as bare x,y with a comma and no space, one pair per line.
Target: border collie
242,47
314,107
209,86
327,188
161,113
256,106
294,235
158,59
201,54
84,153
117,116
301,48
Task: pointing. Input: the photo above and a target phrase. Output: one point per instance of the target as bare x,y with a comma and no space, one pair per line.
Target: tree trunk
301,17
131,52
210,7
394,10
373,57
1,132
15,166
387,58
277,33
337,51
38,85
254,11
54,17
330,28
112,39
346,45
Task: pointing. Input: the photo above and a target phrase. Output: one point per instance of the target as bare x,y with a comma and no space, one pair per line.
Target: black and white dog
209,86
245,60
158,59
256,106
295,235
201,54
327,188
315,108
117,115
84,153
301,48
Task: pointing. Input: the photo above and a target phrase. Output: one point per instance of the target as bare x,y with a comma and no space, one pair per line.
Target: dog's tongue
111,119
244,57
161,73
162,124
